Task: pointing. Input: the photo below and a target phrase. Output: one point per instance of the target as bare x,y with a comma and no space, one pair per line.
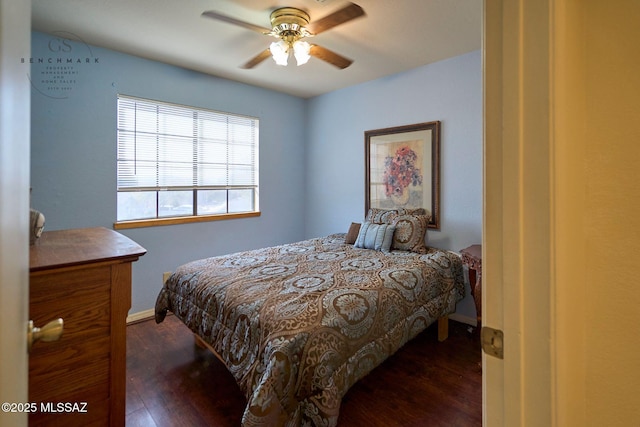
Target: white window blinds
164,146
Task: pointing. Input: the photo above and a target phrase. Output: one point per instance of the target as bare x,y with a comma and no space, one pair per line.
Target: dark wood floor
426,383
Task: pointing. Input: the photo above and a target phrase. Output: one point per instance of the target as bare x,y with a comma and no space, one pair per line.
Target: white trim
464,319
141,316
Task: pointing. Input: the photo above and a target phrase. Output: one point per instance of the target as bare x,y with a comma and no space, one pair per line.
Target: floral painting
401,171
402,168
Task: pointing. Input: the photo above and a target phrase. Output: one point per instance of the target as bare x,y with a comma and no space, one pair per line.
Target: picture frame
402,169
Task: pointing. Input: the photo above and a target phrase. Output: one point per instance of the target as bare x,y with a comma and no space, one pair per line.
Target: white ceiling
394,36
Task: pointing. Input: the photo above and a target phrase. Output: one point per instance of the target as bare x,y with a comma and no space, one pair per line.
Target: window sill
158,222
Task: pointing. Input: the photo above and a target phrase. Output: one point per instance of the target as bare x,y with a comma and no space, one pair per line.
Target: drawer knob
52,331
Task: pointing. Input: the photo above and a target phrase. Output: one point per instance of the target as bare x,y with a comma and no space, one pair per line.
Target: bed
300,323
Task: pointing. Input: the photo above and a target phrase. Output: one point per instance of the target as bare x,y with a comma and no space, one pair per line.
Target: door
15,25
538,81
518,217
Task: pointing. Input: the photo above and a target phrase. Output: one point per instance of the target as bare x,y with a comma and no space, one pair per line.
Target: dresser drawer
82,356
80,297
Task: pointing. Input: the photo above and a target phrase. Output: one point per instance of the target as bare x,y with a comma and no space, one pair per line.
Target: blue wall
74,155
311,152
449,91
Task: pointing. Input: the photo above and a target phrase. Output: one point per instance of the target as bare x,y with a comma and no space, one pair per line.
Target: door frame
518,210
534,86
15,112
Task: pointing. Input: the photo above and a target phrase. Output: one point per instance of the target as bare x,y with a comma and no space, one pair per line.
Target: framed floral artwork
402,169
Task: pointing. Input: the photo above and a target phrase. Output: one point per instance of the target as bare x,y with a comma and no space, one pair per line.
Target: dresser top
473,252
64,248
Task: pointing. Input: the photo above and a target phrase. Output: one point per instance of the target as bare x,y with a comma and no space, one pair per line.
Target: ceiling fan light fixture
301,52
290,25
280,52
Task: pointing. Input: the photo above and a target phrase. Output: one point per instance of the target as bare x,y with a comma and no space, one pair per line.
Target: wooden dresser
84,277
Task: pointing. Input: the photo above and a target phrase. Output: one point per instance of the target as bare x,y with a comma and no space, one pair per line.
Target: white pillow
375,236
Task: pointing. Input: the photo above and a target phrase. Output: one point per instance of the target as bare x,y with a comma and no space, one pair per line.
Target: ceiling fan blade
329,56
341,16
257,59
230,20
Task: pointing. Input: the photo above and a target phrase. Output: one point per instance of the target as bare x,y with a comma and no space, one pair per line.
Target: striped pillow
375,236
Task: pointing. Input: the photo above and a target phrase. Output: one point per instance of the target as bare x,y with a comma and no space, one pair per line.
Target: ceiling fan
291,25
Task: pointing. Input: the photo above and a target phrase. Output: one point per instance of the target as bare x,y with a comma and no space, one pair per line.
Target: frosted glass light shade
301,52
280,52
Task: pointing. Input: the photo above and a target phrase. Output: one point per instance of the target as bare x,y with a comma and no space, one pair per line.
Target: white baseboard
464,319
141,316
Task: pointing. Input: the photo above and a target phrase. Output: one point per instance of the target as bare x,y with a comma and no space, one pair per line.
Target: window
176,161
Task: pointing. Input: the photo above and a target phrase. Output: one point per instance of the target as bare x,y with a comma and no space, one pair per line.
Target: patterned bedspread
299,324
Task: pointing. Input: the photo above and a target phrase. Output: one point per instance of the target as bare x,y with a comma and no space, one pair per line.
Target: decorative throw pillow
375,236
410,232
352,234
382,216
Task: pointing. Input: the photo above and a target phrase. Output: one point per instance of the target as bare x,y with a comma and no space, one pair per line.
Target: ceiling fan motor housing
290,22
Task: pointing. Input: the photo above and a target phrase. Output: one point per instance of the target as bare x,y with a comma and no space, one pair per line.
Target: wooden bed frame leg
200,342
443,328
